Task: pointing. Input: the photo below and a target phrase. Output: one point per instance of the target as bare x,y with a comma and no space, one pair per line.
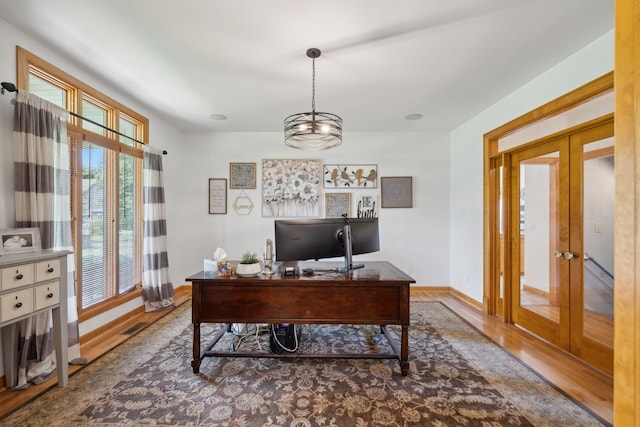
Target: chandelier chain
313,87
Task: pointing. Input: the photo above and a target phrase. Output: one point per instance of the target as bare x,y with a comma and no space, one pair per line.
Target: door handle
566,255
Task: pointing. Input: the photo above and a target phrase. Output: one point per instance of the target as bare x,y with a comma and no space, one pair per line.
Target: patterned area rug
457,378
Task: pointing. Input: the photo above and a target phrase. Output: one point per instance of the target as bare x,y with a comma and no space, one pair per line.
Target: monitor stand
348,254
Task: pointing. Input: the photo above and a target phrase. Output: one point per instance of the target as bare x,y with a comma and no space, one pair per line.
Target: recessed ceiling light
218,117
415,116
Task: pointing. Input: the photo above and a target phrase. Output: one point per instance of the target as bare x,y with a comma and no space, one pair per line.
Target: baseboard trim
535,291
462,296
124,318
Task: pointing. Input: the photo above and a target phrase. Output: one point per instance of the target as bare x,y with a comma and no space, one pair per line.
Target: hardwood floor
586,385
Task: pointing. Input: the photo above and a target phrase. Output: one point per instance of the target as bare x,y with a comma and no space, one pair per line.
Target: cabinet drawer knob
50,270
18,305
49,295
19,277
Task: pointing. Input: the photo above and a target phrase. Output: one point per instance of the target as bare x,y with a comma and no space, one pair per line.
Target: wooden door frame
559,333
566,335
626,404
490,151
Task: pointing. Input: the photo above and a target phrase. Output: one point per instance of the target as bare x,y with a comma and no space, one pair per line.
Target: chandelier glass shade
313,130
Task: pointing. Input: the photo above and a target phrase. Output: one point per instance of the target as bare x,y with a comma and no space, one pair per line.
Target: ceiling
381,60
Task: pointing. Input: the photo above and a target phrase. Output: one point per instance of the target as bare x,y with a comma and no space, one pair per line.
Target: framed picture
350,176
242,176
397,191
291,187
366,206
337,204
217,195
16,240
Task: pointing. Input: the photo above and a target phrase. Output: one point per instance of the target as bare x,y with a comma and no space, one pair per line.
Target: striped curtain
157,289
43,200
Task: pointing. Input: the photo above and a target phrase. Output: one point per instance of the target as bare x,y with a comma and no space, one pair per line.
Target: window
106,194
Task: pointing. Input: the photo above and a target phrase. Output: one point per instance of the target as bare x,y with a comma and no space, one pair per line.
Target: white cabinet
31,283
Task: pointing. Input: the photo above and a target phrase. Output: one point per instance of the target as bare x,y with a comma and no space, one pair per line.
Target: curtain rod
10,87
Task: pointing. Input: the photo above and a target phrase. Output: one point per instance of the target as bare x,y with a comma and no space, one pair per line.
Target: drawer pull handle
50,270
18,305
49,295
19,277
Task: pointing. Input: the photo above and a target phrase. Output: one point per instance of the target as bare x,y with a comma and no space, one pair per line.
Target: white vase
247,270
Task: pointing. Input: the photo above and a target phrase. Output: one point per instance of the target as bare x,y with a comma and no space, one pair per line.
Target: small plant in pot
249,265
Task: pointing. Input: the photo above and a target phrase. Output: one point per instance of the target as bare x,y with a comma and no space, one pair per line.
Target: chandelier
313,130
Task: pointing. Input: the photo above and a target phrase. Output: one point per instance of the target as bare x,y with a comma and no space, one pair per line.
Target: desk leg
195,363
404,351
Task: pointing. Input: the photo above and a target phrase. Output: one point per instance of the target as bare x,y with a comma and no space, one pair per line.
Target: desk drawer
20,275
16,304
310,303
47,270
47,295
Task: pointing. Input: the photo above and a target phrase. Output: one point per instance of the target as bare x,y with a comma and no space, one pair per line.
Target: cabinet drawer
47,270
47,295
20,275
16,304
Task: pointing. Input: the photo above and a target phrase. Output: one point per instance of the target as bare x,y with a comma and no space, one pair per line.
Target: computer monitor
318,238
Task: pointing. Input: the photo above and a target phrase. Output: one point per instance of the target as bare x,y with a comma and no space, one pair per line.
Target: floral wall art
291,188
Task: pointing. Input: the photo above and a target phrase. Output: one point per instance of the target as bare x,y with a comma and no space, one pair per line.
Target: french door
559,196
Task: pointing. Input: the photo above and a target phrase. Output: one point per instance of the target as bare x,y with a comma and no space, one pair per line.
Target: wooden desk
377,294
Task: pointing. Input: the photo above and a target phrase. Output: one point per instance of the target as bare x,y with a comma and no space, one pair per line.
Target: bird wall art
350,176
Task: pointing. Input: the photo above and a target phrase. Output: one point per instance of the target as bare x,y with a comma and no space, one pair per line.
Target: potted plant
249,265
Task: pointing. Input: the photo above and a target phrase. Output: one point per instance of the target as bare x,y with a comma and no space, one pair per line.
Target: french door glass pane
126,231
539,281
94,225
599,190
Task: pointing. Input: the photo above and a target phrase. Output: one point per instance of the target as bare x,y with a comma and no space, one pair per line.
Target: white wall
7,73
416,239
589,63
